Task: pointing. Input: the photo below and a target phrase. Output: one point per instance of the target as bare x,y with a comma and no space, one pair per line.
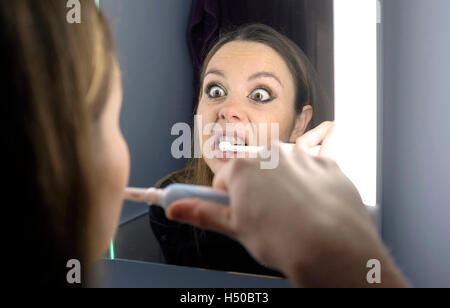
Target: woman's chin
215,164
219,159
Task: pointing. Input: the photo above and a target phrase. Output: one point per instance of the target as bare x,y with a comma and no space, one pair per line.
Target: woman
251,76
66,161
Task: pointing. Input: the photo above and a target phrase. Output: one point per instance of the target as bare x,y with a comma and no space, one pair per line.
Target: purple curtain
203,28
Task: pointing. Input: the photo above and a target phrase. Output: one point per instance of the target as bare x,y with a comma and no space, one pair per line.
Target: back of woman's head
55,80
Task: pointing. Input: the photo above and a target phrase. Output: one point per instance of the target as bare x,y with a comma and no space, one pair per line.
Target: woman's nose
232,112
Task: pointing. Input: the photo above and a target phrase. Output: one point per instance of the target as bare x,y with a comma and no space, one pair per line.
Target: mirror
163,46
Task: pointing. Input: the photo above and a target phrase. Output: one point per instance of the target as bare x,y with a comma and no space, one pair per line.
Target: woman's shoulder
183,176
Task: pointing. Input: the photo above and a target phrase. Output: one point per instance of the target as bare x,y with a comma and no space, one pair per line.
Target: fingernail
169,214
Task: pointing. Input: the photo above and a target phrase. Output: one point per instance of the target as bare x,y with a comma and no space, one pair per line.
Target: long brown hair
56,78
308,88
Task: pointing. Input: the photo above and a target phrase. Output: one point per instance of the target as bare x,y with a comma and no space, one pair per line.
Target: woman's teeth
232,140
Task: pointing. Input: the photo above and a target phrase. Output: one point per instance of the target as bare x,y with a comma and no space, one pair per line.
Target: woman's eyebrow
215,72
265,74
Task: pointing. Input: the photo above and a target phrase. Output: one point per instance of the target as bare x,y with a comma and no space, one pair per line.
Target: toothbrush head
226,146
150,195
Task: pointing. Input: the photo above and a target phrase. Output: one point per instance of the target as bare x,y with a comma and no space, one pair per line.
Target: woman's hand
304,218
319,141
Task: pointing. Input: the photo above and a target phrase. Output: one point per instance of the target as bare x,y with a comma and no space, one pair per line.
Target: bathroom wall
416,138
157,82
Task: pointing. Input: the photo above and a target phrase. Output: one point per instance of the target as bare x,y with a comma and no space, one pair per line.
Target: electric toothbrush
172,193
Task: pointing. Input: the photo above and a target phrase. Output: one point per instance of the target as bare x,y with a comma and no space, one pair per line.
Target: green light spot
111,250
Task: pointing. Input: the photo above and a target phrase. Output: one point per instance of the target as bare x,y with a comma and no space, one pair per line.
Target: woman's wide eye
261,95
216,92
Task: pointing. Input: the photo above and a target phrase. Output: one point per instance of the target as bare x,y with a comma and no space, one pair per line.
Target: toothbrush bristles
226,146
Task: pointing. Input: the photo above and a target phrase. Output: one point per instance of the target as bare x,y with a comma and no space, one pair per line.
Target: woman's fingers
202,214
315,151
315,136
328,144
318,140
